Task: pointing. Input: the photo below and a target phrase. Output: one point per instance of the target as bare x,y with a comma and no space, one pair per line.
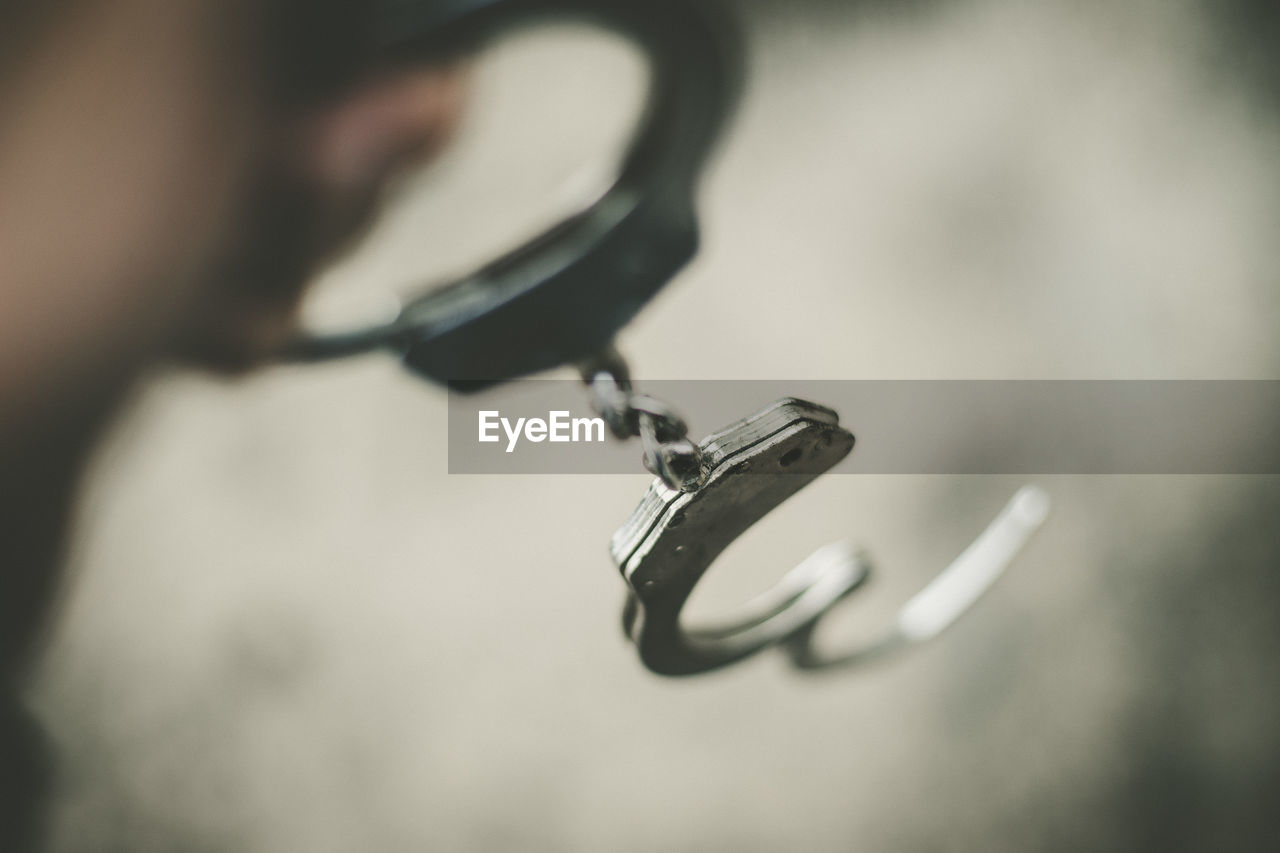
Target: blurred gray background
289,629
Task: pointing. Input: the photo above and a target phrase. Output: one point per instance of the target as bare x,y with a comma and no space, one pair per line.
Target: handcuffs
561,298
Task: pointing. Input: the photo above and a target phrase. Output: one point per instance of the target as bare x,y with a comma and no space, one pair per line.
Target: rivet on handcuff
561,298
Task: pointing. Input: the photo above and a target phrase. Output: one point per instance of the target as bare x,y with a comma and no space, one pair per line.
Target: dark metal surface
751,467
673,537
561,297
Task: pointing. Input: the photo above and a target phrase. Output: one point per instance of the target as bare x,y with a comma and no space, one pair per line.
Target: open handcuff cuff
561,298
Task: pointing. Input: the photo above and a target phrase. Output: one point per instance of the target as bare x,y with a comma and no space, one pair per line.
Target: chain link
669,453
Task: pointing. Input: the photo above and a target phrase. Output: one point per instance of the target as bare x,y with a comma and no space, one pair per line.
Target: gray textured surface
290,630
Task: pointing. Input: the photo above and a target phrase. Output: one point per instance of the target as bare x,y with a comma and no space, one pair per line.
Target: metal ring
666,423
678,463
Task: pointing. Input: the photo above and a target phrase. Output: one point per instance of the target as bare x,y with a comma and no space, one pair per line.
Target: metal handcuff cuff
560,300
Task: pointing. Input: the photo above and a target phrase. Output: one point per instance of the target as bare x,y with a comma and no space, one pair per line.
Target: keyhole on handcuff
790,458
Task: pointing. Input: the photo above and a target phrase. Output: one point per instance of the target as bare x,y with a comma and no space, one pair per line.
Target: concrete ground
290,629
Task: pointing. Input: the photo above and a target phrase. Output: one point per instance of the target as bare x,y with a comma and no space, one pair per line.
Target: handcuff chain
669,453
